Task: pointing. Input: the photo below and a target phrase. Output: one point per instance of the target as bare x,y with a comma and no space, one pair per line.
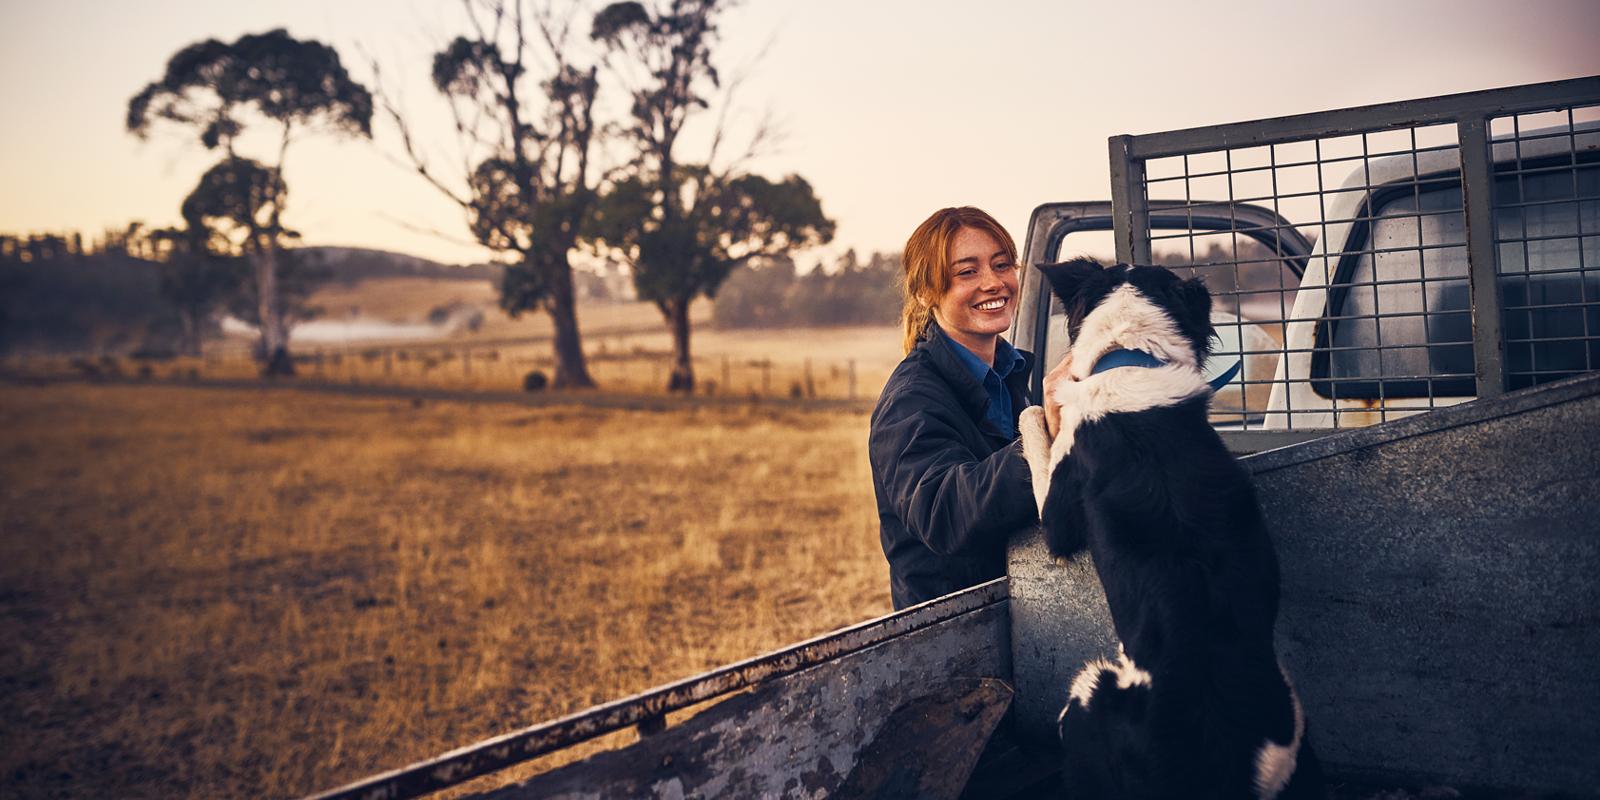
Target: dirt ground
211,592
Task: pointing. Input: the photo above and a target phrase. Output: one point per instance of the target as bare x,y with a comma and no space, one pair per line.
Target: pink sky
890,108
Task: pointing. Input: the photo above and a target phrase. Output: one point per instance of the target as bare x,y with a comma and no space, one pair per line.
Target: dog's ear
1196,299
1067,277
1196,303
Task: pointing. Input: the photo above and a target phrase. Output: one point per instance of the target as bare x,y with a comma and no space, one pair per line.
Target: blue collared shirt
1006,359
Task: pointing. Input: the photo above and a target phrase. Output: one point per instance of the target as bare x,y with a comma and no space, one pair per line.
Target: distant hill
350,265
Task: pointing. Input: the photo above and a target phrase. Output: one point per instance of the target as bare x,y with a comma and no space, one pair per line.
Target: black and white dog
1196,705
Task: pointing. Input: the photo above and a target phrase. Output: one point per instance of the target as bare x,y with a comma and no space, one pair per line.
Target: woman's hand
1052,407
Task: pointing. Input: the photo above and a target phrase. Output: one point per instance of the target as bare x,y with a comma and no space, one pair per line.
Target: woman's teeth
992,305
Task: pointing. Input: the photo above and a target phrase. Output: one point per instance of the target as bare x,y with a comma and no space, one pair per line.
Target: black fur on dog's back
1191,578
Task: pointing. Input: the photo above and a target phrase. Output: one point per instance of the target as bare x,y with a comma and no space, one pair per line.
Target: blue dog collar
1121,357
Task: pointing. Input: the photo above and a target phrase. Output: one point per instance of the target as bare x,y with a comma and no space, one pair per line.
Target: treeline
772,293
134,295
76,302
64,292
127,290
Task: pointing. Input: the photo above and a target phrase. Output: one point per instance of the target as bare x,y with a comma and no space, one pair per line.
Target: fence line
489,368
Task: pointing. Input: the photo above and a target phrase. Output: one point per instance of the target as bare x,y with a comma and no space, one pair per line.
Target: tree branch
416,161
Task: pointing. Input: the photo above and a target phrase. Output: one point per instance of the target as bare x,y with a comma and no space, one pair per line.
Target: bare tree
211,87
527,182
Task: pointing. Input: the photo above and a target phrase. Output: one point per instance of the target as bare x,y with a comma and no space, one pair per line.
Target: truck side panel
1441,605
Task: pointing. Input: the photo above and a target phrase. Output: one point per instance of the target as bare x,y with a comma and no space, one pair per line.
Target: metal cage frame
1471,114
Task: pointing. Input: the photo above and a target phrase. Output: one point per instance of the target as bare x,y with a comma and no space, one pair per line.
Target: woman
947,466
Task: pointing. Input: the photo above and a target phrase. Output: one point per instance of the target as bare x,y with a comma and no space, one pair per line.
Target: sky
890,108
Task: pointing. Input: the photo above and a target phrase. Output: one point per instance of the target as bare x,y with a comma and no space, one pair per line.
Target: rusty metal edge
458,766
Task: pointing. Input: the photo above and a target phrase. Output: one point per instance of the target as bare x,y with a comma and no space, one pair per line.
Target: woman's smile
976,308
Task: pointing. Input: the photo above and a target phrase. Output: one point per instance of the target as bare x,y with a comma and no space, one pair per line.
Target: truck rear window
1399,320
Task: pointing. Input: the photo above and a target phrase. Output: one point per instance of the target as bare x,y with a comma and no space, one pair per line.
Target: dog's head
1137,308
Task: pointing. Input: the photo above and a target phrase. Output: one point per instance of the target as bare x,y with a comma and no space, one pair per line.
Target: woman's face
982,297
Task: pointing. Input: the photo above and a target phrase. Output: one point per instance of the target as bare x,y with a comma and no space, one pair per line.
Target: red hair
926,262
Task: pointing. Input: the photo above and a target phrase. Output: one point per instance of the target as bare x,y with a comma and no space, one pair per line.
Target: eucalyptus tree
682,227
290,87
527,183
724,221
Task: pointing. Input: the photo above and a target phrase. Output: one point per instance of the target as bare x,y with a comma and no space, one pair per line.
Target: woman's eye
966,273
1004,265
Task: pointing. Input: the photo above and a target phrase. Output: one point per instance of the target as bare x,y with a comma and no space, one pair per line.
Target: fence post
811,388
766,377
852,379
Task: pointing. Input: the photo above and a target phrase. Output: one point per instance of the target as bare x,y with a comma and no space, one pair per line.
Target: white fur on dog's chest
1124,318
1118,391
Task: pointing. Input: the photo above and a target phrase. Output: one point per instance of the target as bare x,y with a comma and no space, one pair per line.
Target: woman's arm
946,495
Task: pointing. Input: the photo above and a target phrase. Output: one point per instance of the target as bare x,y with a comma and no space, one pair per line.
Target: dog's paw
1035,433
1036,450
1064,540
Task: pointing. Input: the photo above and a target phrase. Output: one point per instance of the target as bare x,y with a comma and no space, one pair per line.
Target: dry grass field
212,593
830,363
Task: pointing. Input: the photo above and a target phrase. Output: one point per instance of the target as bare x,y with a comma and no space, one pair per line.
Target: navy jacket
951,487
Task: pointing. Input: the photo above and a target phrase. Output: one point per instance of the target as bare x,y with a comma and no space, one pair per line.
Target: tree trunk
572,369
275,358
677,312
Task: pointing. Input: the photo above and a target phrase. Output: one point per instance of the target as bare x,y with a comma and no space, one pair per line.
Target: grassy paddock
221,593
830,363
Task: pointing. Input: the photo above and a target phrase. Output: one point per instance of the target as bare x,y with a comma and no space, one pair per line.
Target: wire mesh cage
1373,263
1547,240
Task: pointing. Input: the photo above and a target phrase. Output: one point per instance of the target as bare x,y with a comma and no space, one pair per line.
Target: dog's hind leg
1085,767
1104,723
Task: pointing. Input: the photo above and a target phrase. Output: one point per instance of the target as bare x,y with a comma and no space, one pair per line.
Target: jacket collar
969,390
